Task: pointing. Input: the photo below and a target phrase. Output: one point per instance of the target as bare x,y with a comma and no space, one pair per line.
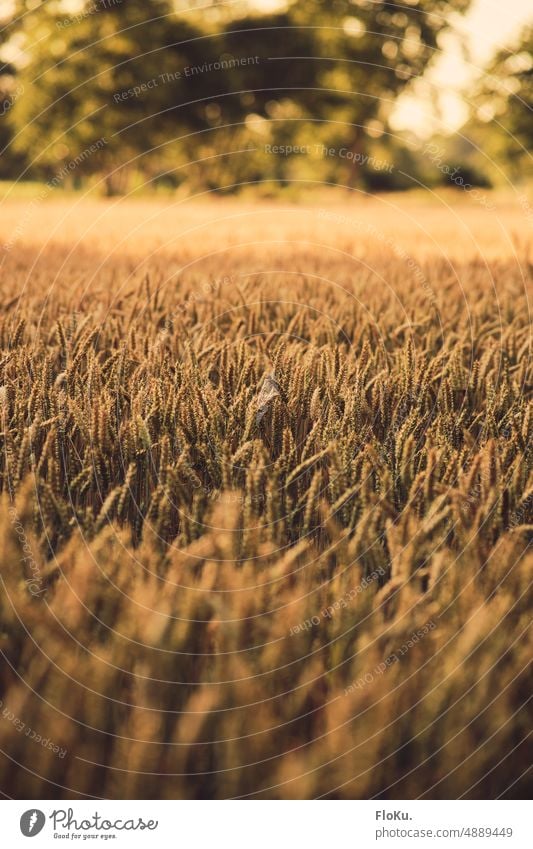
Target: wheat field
266,510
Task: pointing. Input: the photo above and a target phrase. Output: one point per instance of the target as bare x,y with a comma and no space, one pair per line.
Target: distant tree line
202,96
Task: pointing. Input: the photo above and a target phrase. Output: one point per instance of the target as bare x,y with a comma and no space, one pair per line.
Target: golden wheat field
267,499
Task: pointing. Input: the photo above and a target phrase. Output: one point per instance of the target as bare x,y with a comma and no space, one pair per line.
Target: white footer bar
267,824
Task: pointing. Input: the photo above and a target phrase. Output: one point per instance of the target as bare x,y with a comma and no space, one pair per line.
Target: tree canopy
204,95
503,121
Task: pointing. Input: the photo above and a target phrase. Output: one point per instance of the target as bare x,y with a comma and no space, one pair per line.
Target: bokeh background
159,95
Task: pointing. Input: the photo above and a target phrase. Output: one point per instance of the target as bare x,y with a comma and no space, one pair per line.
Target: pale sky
488,26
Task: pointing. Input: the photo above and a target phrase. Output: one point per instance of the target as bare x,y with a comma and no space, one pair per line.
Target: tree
503,120
165,87
91,80
332,71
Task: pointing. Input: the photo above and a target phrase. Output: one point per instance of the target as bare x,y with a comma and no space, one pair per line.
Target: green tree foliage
167,87
503,122
97,75
331,71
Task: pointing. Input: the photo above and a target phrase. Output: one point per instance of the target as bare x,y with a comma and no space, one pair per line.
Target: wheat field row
267,504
